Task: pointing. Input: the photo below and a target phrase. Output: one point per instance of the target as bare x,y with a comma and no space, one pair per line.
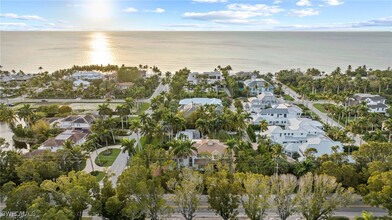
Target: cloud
261,8
303,3
12,25
277,2
303,12
22,17
157,10
380,22
237,14
209,1
333,2
129,10
193,26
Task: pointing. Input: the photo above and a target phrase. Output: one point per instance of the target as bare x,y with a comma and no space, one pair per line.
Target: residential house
278,114
80,83
211,78
77,137
190,134
187,106
375,103
260,102
258,86
124,85
208,150
300,134
77,122
18,78
87,75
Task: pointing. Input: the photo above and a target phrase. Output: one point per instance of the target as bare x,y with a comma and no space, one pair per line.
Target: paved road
323,116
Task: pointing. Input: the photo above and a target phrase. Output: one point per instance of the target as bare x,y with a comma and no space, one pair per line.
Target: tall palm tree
129,103
387,125
136,126
122,111
264,125
7,115
182,148
128,145
111,124
26,113
104,110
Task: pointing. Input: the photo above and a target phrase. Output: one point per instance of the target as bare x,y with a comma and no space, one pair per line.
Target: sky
196,15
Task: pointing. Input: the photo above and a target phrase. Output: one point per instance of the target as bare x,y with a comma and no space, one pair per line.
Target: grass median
107,157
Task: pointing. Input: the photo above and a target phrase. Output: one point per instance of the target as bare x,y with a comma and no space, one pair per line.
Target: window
190,162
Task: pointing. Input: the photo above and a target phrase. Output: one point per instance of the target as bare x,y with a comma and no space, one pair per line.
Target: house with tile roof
77,122
208,151
77,137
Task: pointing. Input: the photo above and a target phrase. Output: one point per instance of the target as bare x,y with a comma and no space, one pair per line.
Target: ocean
199,51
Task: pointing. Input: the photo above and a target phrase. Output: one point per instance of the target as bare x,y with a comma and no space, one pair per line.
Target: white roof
201,101
305,123
323,145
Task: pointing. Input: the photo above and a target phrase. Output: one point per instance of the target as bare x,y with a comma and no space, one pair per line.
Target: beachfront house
77,137
375,103
257,86
210,78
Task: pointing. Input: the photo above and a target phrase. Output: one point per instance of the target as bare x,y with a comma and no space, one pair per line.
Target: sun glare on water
100,51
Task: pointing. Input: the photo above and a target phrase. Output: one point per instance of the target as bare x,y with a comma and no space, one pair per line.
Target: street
323,116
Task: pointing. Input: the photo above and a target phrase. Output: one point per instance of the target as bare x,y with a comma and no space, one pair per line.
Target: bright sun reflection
100,51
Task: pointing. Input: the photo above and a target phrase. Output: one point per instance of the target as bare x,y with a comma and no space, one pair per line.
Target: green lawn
107,160
288,98
320,107
143,107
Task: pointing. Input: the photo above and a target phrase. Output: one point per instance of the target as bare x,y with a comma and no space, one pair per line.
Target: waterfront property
77,137
375,103
205,78
257,86
18,78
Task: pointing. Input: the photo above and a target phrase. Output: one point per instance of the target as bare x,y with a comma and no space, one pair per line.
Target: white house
206,77
80,83
190,134
300,134
77,122
258,86
323,145
278,114
87,75
260,102
187,106
77,137
375,103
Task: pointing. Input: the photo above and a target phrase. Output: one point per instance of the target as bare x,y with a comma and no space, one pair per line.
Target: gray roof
362,97
378,105
274,111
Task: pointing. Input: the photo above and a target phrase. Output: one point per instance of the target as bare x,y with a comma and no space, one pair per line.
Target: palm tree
182,148
7,115
129,103
128,145
89,146
122,111
136,127
26,113
104,110
264,125
111,124
387,125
